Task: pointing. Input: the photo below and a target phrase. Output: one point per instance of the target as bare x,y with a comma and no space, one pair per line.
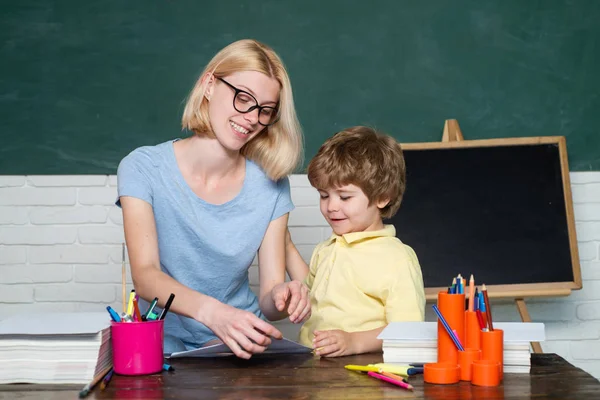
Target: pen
113,314
165,310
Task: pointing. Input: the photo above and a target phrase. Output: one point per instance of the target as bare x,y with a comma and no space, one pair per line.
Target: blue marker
415,370
113,314
167,367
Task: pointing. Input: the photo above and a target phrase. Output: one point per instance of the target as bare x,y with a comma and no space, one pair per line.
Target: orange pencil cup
137,347
486,373
472,330
452,307
492,347
441,373
465,360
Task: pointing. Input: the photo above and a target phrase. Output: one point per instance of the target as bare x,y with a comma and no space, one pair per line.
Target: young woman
197,210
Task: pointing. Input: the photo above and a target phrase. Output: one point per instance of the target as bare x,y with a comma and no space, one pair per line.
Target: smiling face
347,210
232,128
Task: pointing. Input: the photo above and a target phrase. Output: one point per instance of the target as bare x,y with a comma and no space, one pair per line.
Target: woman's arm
278,298
236,328
296,267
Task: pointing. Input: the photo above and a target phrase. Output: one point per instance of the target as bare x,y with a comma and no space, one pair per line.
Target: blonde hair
363,157
278,149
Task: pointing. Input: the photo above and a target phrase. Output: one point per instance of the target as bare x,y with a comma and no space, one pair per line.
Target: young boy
362,277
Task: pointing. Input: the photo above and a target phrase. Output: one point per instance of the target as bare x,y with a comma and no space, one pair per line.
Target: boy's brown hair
363,157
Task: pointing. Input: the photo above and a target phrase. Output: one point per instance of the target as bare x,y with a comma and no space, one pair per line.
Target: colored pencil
88,388
390,380
447,327
471,293
123,280
488,307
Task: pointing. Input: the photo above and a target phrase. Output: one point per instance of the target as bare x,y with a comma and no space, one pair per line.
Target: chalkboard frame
519,291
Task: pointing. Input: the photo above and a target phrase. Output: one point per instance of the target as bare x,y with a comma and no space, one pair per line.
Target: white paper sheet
284,346
513,331
60,323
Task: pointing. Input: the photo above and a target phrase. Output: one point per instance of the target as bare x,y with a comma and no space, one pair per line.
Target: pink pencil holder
137,347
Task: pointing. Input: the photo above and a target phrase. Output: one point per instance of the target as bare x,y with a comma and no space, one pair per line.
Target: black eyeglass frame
254,107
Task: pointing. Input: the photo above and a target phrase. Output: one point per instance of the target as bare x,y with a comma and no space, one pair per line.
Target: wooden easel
452,133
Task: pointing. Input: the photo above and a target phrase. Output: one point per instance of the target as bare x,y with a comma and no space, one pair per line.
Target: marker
165,310
392,368
415,371
167,367
113,314
136,310
151,317
363,368
130,303
150,308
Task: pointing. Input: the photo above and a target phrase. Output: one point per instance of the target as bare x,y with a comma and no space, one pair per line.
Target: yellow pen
363,368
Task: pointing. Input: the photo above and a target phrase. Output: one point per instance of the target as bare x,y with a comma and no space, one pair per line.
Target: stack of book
416,342
55,348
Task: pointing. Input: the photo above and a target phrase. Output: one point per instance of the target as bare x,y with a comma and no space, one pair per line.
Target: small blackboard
498,209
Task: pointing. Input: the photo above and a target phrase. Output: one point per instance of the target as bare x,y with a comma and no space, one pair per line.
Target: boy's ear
382,203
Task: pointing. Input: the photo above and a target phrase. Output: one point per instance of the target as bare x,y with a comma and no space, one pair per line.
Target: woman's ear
209,81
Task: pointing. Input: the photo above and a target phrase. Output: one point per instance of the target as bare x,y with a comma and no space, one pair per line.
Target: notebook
283,346
54,347
416,342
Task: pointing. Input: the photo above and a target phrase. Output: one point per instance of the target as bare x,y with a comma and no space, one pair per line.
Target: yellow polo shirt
361,281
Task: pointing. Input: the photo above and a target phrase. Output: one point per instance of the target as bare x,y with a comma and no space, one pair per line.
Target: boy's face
347,210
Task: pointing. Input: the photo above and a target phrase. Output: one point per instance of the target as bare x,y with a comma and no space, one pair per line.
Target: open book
54,347
283,346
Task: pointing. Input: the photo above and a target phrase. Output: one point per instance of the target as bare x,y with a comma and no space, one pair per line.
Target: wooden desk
305,377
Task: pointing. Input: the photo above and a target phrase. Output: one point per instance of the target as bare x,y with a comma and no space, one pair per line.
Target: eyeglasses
244,102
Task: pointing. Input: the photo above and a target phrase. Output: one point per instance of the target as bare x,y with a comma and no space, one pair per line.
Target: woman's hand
333,343
242,331
294,297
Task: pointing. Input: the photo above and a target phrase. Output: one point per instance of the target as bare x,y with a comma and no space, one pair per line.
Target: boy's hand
333,343
294,298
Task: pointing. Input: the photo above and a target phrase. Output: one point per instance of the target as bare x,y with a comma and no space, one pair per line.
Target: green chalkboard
83,83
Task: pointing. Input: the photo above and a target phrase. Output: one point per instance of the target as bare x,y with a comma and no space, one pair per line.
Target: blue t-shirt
206,247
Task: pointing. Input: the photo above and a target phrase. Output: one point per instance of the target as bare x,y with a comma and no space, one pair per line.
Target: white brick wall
60,249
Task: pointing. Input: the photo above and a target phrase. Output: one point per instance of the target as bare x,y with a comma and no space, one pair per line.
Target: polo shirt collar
387,231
